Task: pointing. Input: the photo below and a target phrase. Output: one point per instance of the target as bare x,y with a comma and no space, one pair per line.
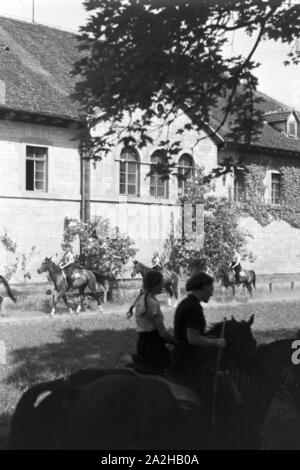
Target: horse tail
100,278
254,279
8,289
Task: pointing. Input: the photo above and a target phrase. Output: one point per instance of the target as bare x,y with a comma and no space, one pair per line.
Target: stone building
43,179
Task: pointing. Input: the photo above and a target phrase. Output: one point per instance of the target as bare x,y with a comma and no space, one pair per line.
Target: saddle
186,398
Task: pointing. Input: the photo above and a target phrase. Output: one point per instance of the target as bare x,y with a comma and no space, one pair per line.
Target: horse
170,283
120,409
266,374
247,279
8,290
79,278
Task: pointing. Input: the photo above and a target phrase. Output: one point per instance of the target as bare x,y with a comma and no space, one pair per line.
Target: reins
213,417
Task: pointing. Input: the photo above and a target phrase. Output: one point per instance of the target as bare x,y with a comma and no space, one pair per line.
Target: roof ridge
268,97
35,23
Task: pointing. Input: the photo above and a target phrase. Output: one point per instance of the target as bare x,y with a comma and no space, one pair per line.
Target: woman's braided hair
151,280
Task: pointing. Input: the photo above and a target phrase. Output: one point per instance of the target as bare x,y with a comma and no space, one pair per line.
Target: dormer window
292,129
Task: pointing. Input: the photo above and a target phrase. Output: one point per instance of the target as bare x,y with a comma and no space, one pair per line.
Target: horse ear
251,320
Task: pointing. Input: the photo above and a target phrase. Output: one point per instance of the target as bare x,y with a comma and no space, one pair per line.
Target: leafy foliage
143,62
221,228
19,260
265,212
102,248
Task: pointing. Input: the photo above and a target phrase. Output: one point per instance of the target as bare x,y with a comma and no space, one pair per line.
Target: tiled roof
35,71
269,137
276,117
35,76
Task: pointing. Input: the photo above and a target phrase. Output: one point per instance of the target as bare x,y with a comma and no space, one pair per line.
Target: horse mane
56,267
142,264
216,328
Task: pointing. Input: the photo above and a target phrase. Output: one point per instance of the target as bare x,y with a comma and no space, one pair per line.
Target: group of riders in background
235,264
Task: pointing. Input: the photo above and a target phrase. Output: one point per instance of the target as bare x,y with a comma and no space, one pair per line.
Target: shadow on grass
78,349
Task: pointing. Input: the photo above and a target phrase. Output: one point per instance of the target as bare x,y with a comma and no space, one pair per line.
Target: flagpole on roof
33,11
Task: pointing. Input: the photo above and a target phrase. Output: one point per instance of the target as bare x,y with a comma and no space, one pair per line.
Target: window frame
156,181
243,192
291,134
35,159
182,179
272,199
125,164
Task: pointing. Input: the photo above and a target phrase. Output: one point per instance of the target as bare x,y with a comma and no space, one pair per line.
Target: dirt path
11,314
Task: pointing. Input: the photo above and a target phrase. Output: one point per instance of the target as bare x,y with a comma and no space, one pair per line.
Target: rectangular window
158,186
292,129
239,193
275,188
129,178
36,168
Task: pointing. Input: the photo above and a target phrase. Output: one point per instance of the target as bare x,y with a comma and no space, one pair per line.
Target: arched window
185,171
129,172
159,187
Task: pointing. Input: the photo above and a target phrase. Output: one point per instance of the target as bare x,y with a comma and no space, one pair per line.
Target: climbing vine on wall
255,205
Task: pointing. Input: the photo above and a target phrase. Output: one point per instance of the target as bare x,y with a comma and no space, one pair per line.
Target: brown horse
170,283
76,278
247,279
8,290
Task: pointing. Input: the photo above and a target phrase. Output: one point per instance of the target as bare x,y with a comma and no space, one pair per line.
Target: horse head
240,343
135,269
45,265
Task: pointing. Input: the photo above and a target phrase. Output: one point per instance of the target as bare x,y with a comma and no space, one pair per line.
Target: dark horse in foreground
8,290
76,278
170,278
247,279
120,409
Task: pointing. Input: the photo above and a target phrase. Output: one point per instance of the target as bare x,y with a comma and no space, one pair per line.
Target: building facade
43,179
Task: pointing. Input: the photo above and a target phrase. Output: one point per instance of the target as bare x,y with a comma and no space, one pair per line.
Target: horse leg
249,287
81,293
233,290
64,297
95,295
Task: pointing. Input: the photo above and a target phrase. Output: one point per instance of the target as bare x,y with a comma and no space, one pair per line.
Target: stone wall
275,246
35,218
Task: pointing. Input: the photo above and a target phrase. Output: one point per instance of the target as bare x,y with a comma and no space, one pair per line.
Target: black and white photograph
149,227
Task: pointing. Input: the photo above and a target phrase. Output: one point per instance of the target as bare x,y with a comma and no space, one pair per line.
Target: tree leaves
137,54
102,247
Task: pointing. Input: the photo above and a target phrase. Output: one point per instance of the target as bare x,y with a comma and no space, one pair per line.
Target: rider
189,329
152,333
156,264
236,265
66,261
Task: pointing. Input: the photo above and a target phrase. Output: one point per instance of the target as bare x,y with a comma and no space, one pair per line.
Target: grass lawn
41,348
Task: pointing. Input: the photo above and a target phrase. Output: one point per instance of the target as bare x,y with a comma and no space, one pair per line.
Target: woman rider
152,333
189,329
